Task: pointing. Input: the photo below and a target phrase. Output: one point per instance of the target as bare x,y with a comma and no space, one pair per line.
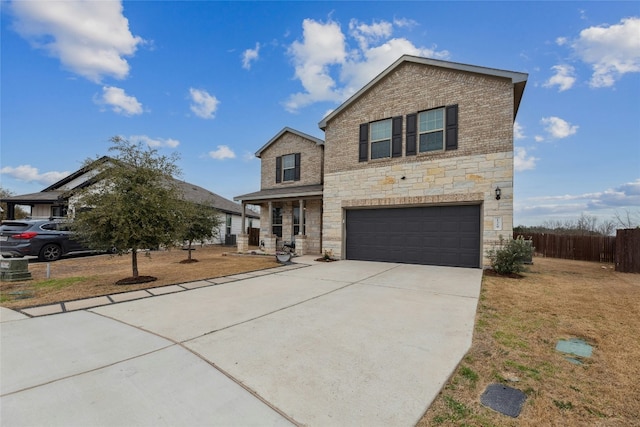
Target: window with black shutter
288,168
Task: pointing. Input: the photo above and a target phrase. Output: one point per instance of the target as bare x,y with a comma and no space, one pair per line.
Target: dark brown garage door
434,235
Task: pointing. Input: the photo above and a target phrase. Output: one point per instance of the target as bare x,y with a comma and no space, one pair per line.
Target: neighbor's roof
293,131
519,80
191,192
301,192
40,198
199,195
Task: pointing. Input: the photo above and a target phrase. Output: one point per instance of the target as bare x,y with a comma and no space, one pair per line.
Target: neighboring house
57,200
417,167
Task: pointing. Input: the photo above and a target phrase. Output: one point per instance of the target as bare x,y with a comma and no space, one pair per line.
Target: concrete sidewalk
344,343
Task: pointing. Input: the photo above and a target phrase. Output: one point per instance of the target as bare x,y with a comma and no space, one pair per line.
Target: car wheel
50,252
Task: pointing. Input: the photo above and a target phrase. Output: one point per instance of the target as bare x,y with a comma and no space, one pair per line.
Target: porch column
302,228
242,229
270,224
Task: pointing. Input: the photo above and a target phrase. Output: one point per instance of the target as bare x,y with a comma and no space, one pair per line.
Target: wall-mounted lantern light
498,193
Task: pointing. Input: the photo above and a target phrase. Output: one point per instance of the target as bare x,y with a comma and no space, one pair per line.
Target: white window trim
442,129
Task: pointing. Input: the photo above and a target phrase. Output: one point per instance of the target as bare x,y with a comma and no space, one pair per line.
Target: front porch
292,215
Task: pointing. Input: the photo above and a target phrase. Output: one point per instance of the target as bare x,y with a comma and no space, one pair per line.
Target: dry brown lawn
518,324
88,276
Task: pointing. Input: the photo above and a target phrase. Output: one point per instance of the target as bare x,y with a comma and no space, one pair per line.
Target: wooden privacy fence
584,248
628,250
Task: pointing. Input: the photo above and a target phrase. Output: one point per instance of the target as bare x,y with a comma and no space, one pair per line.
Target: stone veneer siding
483,160
311,161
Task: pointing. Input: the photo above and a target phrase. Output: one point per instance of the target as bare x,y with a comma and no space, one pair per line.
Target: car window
14,226
49,226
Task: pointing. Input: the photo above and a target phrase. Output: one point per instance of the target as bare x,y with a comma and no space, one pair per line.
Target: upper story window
380,139
425,131
288,168
431,130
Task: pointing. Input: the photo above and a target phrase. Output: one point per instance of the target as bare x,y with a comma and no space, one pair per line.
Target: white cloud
627,194
558,128
366,34
518,131
222,152
203,104
249,56
90,38
523,162
28,173
155,143
564,77
119,101
330,69
323,45
249,156
561,41
601,203
612,51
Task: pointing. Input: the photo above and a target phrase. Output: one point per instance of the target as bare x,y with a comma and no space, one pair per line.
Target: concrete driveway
348,343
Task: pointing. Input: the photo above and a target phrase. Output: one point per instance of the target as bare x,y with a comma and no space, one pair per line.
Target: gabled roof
293,131
199,195
519,80
77,174
191,192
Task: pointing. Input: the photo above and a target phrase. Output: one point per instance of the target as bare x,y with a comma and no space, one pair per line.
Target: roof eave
282,132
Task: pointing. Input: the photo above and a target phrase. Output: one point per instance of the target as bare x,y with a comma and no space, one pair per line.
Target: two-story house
417,167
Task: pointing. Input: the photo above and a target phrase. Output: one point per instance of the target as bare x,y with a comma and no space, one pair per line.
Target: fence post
628,250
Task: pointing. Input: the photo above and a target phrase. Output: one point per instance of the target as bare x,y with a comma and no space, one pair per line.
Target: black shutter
412,120
363,146
452,127
396,137
296,171
278,169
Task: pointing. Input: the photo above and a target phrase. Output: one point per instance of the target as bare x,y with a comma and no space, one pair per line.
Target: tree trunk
134,261
189,250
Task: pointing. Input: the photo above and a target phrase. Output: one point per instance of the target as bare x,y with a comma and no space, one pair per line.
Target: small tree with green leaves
200,222
135,204
510,255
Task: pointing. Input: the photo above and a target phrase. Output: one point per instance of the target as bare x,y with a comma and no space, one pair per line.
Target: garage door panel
434,235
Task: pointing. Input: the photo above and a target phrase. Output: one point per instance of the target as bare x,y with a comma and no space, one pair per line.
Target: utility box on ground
14,270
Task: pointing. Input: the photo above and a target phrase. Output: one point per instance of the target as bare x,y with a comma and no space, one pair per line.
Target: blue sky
214,81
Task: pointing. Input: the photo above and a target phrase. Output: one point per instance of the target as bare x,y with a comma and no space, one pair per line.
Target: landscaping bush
510,255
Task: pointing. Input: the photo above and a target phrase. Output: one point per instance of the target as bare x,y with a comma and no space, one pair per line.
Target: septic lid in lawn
574,346
506,400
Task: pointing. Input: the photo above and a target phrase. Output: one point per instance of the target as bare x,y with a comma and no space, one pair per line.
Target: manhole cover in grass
574,346
506,400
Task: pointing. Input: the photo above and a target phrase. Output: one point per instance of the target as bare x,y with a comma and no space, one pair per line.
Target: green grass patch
458,410
55,284
470,375
510,340
530,372
565,406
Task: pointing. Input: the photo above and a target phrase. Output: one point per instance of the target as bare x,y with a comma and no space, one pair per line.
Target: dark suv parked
46,239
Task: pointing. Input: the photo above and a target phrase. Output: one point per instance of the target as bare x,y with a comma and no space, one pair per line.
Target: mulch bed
136,280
